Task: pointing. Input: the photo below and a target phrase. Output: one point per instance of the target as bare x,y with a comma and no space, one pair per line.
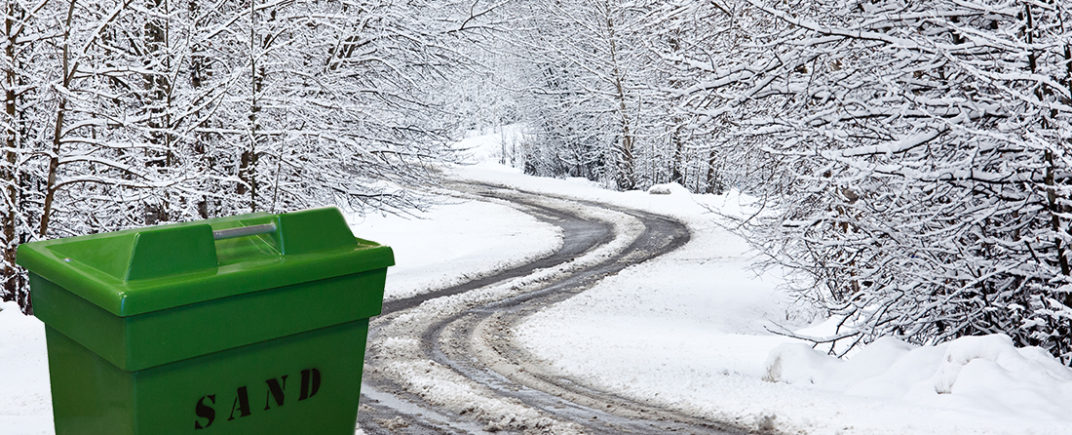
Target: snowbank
986,376
667,189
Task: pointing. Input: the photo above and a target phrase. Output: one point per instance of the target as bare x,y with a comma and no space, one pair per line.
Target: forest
910,160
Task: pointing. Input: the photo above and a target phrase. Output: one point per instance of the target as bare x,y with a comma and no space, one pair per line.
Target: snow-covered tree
131,112
585,69
923,150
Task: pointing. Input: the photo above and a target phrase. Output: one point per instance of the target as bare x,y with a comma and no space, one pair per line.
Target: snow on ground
458,238
24,391
687,331
987,378
455,241
402,359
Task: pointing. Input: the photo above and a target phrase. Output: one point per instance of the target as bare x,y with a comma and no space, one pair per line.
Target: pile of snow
987,375
667,188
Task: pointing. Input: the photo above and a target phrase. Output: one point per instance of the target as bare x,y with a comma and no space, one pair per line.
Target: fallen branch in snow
832,340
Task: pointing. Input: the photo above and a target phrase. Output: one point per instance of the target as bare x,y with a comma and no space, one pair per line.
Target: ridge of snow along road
687,331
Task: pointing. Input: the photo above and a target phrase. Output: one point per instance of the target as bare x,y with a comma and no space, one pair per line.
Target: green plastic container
252,324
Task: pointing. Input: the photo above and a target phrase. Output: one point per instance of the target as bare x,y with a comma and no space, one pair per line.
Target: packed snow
459,237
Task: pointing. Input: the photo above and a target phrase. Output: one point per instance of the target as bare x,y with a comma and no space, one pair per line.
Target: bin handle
252,230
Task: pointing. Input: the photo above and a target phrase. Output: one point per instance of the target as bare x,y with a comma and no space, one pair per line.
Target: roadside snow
687,331
986,376
463,237
454,242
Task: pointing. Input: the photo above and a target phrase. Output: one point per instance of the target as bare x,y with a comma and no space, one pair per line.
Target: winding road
446,361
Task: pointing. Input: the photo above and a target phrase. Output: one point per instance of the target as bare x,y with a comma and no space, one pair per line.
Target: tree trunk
200,71
1053,205
625,176
158,91
247,167
8,173
714,180
57,132
677,162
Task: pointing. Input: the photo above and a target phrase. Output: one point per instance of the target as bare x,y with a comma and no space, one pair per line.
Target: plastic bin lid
143,270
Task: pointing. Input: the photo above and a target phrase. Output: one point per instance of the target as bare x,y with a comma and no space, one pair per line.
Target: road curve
491,384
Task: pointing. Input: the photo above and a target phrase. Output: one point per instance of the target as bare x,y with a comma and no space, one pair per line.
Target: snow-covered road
446,361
